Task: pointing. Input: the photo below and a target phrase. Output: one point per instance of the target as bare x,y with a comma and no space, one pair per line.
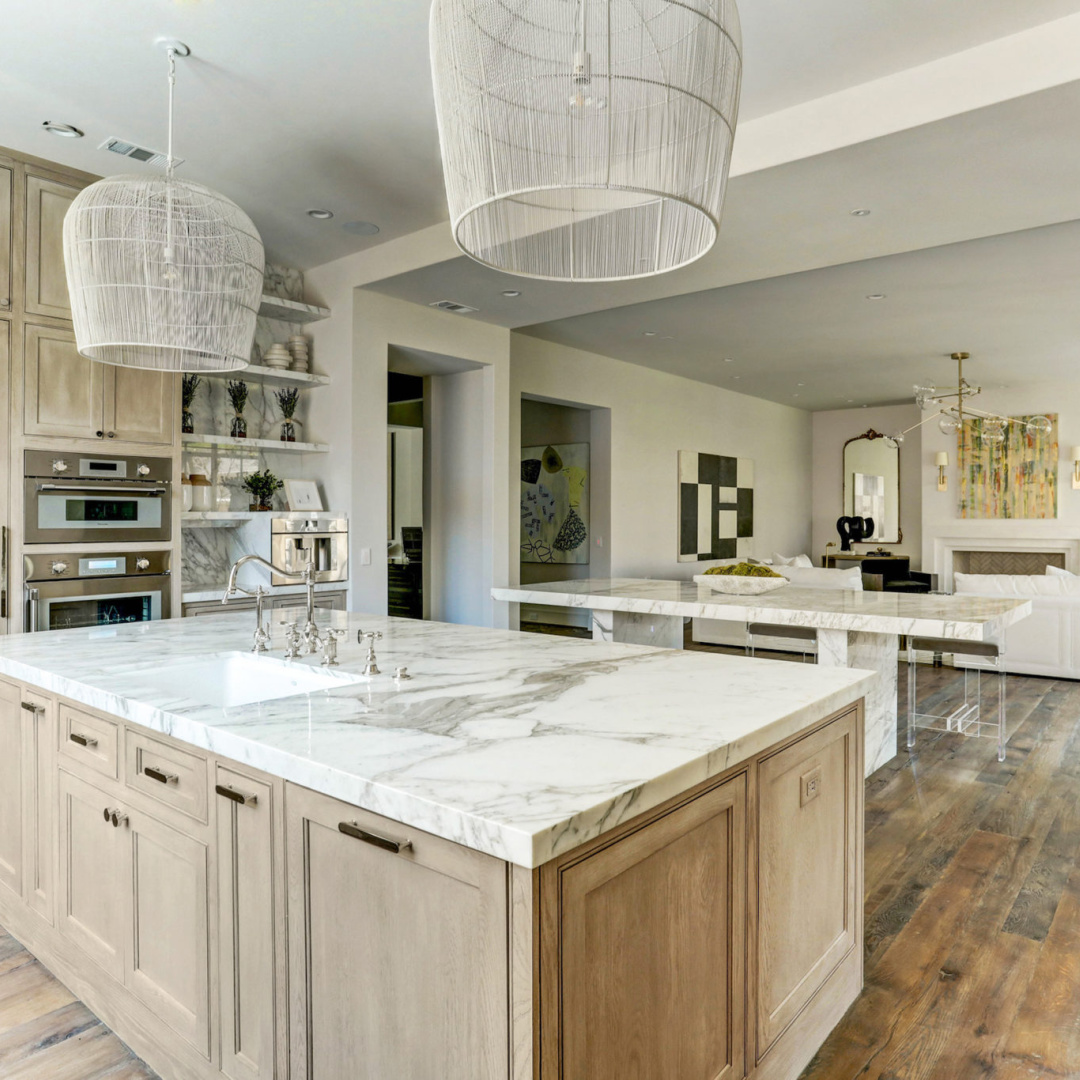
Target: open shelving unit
261,373
207,442
294,311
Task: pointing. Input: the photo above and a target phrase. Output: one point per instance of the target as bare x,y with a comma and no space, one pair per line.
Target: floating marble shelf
206,442
262,373
277,307
215,519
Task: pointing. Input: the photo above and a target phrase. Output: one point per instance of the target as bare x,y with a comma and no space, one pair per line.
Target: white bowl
740,586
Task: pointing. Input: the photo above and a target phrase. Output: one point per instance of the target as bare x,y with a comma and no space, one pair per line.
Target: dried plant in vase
287,401
188,385
262,486
238,395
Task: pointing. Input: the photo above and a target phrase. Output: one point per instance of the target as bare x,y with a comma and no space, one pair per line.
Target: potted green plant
287,400
262,486
238,395
188,385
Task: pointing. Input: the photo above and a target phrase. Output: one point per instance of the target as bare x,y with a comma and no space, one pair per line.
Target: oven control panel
41,463
39,567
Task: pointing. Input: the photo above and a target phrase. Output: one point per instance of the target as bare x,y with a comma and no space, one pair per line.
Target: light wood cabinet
47,202
251,946
809,835
644,946
39,801
403,972
6,188
67,396
95,896
11,788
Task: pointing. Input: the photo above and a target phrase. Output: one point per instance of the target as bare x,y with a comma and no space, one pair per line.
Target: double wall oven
95,501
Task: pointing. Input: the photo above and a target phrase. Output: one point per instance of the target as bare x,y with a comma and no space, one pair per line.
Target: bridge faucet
310,636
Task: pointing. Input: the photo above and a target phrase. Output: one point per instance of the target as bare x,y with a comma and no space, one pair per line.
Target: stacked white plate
298,348
277,356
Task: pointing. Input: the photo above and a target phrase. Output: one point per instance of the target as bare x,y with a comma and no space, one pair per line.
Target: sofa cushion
814,577
792,560
1056,571
1017,584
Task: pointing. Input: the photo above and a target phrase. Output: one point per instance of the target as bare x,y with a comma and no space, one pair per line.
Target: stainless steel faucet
310,638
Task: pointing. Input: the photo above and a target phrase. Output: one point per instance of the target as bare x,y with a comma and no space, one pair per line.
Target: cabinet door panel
62,391
47,202
5,238
405,970
139,404
248,969
95,891
809,834
39,807
11,788
653,933
170,956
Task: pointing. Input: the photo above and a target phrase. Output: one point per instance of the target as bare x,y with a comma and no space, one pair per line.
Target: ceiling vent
451,305
138,153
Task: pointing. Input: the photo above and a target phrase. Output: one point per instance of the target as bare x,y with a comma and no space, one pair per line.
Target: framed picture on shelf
302,495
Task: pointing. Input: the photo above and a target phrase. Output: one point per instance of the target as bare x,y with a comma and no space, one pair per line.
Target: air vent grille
154,158
454,306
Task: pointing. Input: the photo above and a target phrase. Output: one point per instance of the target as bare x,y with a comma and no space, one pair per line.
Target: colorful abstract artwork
555,503
1013,479
716,506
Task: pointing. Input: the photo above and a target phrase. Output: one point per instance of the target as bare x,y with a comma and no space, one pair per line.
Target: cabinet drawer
89,739
166,773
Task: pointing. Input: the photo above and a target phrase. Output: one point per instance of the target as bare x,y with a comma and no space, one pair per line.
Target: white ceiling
291,104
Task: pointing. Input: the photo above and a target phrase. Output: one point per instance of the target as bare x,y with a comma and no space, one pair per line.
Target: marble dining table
857,629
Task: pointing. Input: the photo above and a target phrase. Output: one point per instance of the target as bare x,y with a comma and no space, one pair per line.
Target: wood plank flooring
972,919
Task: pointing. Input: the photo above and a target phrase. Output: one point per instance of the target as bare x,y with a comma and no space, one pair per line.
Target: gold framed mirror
871,484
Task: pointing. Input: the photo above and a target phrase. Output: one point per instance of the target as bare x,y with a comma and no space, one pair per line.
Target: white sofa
725,632
1048,641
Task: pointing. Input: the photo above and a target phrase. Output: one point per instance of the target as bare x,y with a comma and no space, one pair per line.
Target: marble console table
854,629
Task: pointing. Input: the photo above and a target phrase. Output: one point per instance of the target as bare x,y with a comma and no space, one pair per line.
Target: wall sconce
1075,455
941,460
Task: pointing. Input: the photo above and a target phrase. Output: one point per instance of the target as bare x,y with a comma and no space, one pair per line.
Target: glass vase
288,431
238,429
187,422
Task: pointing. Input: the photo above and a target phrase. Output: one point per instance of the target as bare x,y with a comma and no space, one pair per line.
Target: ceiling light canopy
586,140
64,131
163,273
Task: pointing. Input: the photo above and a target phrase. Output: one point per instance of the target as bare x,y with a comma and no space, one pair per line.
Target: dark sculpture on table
853,530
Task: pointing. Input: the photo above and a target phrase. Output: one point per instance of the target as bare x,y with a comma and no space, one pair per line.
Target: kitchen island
853,629
531,857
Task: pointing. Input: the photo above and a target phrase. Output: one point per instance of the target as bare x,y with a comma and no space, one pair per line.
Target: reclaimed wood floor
972,920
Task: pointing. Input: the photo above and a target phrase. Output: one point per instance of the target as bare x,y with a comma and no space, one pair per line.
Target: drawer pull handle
82,740
236,796
29,706
159,776
384,842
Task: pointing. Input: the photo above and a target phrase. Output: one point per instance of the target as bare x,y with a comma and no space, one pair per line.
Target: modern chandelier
163,273
586,140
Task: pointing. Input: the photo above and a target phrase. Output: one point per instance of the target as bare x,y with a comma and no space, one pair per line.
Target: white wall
653,416
940,518
831,430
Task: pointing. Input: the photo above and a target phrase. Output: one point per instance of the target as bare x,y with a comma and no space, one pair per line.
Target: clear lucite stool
967,717
806,634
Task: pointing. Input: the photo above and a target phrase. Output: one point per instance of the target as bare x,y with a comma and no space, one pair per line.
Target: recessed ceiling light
875,296
736,376
511,292
65,131
649,333
360,228
861,212
729,359
800,384
321,215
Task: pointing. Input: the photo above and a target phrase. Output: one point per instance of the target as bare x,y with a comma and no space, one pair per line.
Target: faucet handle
292,641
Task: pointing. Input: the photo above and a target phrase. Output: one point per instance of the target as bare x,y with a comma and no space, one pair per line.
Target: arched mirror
872,484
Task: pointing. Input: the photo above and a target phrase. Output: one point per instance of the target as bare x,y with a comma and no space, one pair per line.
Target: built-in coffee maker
297,543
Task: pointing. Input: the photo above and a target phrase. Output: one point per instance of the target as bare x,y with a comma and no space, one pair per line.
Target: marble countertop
519,745
967,618
197,592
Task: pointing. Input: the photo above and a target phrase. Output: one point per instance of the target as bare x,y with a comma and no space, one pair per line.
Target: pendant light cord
169,167
172,86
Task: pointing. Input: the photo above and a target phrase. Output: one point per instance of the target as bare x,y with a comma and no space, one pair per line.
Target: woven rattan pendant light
586,140
163,273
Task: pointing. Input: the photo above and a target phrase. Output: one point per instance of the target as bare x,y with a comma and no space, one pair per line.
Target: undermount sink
238,678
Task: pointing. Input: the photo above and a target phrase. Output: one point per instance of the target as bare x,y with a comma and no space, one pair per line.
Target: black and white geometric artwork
716,506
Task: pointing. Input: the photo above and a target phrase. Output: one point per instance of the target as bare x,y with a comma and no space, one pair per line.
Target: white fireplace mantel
944,546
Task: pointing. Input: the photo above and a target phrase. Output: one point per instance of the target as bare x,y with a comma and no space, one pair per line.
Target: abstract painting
868,498
716,506
555,503
1013,479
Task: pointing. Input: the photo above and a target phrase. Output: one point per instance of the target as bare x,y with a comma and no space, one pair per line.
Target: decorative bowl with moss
741,579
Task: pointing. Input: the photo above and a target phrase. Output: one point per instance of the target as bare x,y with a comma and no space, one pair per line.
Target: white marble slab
966,618
519,745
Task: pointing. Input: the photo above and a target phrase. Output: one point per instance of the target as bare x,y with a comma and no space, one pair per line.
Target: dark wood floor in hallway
972,920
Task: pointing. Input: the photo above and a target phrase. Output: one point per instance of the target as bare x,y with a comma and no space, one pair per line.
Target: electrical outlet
810,785
365,556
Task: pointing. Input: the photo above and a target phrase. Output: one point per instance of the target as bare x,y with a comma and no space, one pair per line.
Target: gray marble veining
519,745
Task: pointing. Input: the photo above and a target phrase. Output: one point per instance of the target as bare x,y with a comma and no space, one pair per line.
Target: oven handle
32,599
94,490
